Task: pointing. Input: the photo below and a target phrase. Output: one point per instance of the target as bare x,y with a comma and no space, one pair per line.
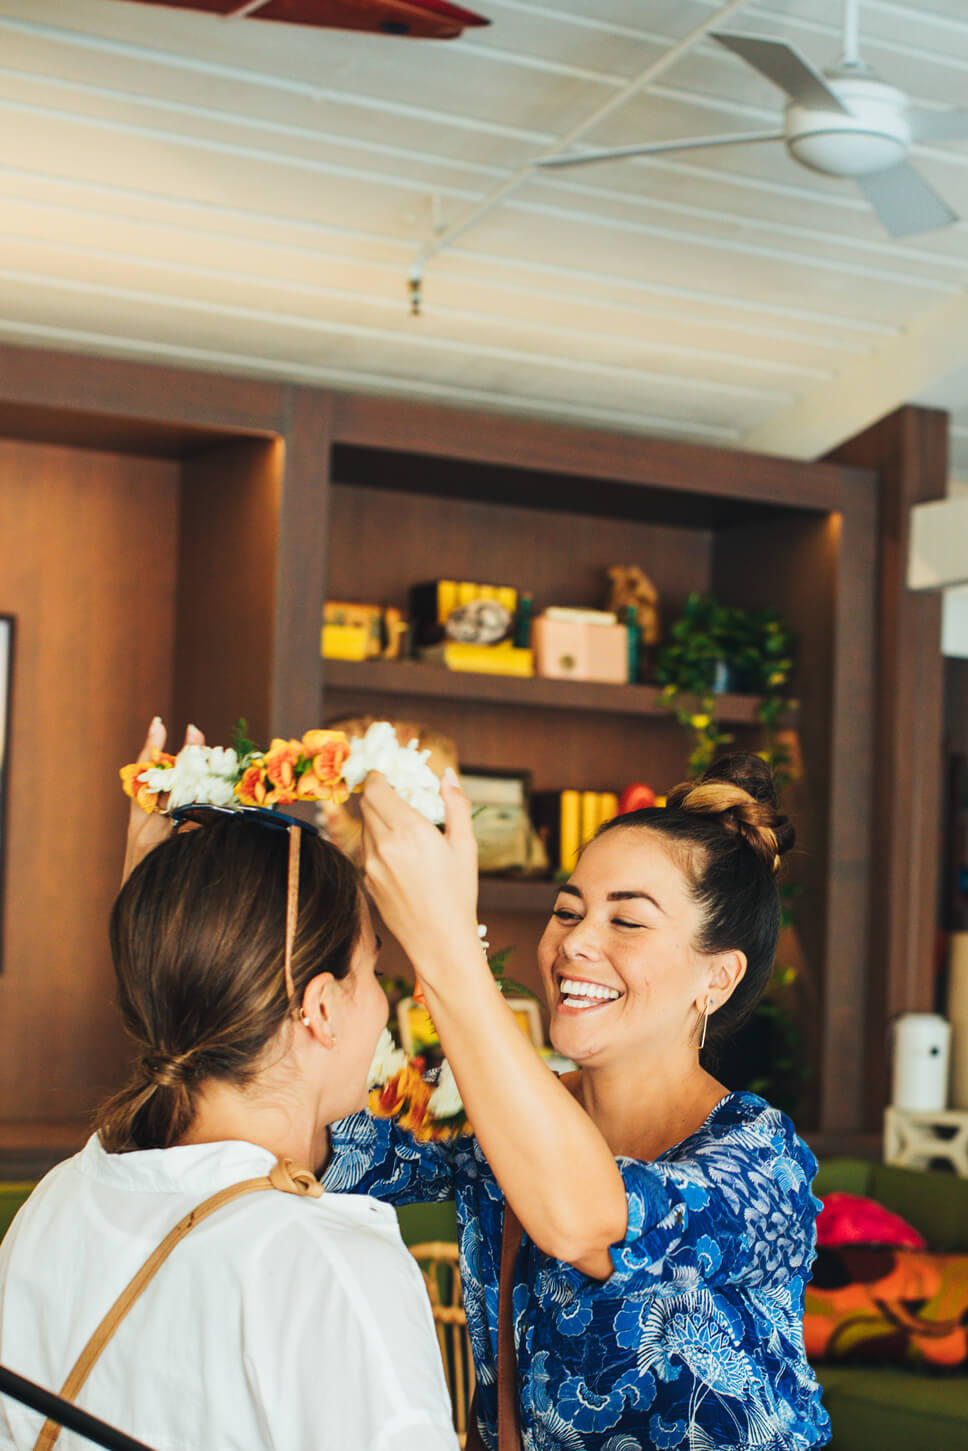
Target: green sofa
875,1408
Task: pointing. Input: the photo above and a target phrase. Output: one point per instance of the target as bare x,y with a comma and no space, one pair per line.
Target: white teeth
573,991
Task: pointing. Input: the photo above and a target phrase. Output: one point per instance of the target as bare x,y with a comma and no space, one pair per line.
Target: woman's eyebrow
629,896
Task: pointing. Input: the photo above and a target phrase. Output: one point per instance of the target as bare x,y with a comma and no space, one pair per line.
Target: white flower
445,1101
387,1060
201,773
405,767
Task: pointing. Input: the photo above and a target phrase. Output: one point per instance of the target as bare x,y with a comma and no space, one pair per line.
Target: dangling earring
705,1024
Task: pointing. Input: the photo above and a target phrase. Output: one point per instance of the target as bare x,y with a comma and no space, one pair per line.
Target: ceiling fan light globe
874,137
839,153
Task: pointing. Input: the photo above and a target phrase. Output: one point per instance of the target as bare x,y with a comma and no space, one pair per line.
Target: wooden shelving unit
414,679
238,506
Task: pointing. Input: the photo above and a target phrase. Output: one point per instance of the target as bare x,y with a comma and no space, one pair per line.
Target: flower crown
322,766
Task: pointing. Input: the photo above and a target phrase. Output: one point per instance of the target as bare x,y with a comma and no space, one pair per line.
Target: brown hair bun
739,790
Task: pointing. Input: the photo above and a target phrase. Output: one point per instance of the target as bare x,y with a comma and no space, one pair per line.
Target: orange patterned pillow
888,1305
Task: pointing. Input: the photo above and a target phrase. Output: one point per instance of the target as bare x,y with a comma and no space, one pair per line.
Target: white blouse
280,1322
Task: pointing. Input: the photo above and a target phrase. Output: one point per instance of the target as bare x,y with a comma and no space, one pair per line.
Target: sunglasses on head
196,813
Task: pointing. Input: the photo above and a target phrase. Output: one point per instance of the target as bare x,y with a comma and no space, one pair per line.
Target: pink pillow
851,1219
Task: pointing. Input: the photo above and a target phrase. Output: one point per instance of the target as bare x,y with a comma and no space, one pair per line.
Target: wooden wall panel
227,581
382,541
87,564
302,553
909,451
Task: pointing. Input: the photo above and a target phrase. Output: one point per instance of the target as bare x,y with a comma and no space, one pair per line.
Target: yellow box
501,659
345,642
446,599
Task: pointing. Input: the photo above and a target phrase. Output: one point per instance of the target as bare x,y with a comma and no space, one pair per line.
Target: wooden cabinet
278,496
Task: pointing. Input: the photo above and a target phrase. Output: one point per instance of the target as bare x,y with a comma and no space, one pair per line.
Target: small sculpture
631,587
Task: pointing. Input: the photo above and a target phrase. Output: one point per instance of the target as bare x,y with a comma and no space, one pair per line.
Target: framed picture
501,802
418,1035
6,690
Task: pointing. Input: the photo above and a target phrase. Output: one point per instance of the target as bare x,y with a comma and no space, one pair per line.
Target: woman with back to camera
285,1321
668,1224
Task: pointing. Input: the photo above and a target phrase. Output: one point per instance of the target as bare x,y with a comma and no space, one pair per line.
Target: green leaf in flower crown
241,743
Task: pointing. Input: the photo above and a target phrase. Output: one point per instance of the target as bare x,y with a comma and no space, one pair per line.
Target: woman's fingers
459,829
154,740
193,736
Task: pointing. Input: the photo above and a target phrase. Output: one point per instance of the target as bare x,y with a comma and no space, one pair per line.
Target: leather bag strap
508,1423
284,1176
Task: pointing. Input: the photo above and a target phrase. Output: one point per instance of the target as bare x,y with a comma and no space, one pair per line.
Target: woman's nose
580,941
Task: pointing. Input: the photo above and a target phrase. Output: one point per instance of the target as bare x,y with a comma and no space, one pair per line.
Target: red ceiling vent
421,19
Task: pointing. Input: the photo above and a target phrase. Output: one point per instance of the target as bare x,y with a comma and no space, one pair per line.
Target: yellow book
590,809
345,642
607,806
446,599
486,592
570,830
466,592
501,659
508,598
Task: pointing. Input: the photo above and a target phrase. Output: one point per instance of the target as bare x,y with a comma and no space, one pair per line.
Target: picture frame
7,637
501,805
417,1033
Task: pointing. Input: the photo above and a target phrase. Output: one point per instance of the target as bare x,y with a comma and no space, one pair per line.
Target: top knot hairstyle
198,937
728,838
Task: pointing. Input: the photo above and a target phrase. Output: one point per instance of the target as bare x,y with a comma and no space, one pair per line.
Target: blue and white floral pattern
695,1342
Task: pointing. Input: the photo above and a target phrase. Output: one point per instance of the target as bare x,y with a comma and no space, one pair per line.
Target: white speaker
921,1047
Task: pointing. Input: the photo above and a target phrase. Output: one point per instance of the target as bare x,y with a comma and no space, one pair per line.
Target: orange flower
251,790
332,746
280,763
325,753
138,790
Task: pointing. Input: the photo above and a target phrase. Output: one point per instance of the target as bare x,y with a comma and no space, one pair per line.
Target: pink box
576,650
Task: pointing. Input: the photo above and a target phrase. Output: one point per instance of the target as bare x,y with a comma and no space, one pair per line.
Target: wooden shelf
411,677
513,894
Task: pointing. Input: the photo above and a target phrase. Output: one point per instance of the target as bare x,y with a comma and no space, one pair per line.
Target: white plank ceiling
248,196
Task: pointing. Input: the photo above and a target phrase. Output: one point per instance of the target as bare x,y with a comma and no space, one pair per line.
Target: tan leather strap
284,1176
508,1423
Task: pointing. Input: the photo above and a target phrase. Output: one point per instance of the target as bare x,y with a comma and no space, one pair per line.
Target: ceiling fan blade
786,68
938,125
656,148
904,201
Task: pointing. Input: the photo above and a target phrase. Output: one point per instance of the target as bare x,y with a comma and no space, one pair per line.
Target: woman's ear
727,971
315,1013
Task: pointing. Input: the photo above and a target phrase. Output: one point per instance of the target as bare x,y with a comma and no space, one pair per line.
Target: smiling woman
668,1224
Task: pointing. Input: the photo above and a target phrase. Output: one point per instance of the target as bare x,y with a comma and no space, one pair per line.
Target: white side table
914,1140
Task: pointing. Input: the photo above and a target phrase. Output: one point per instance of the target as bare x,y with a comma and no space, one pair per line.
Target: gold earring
705,1024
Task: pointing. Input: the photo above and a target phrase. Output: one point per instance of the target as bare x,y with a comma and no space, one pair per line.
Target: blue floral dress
694,1343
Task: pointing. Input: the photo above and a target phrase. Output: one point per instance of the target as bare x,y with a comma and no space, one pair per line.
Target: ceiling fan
842,122
419,19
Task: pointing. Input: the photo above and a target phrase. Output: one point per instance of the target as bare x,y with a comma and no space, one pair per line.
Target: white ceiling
251,196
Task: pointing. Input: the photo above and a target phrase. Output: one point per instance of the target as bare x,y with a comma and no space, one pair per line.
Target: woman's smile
582,995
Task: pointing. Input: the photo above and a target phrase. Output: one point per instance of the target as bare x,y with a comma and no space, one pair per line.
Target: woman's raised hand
423,882
148,830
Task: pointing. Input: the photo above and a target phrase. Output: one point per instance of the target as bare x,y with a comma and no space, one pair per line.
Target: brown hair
198,940
728,837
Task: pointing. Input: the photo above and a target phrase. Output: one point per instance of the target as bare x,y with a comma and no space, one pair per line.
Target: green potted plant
715,648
